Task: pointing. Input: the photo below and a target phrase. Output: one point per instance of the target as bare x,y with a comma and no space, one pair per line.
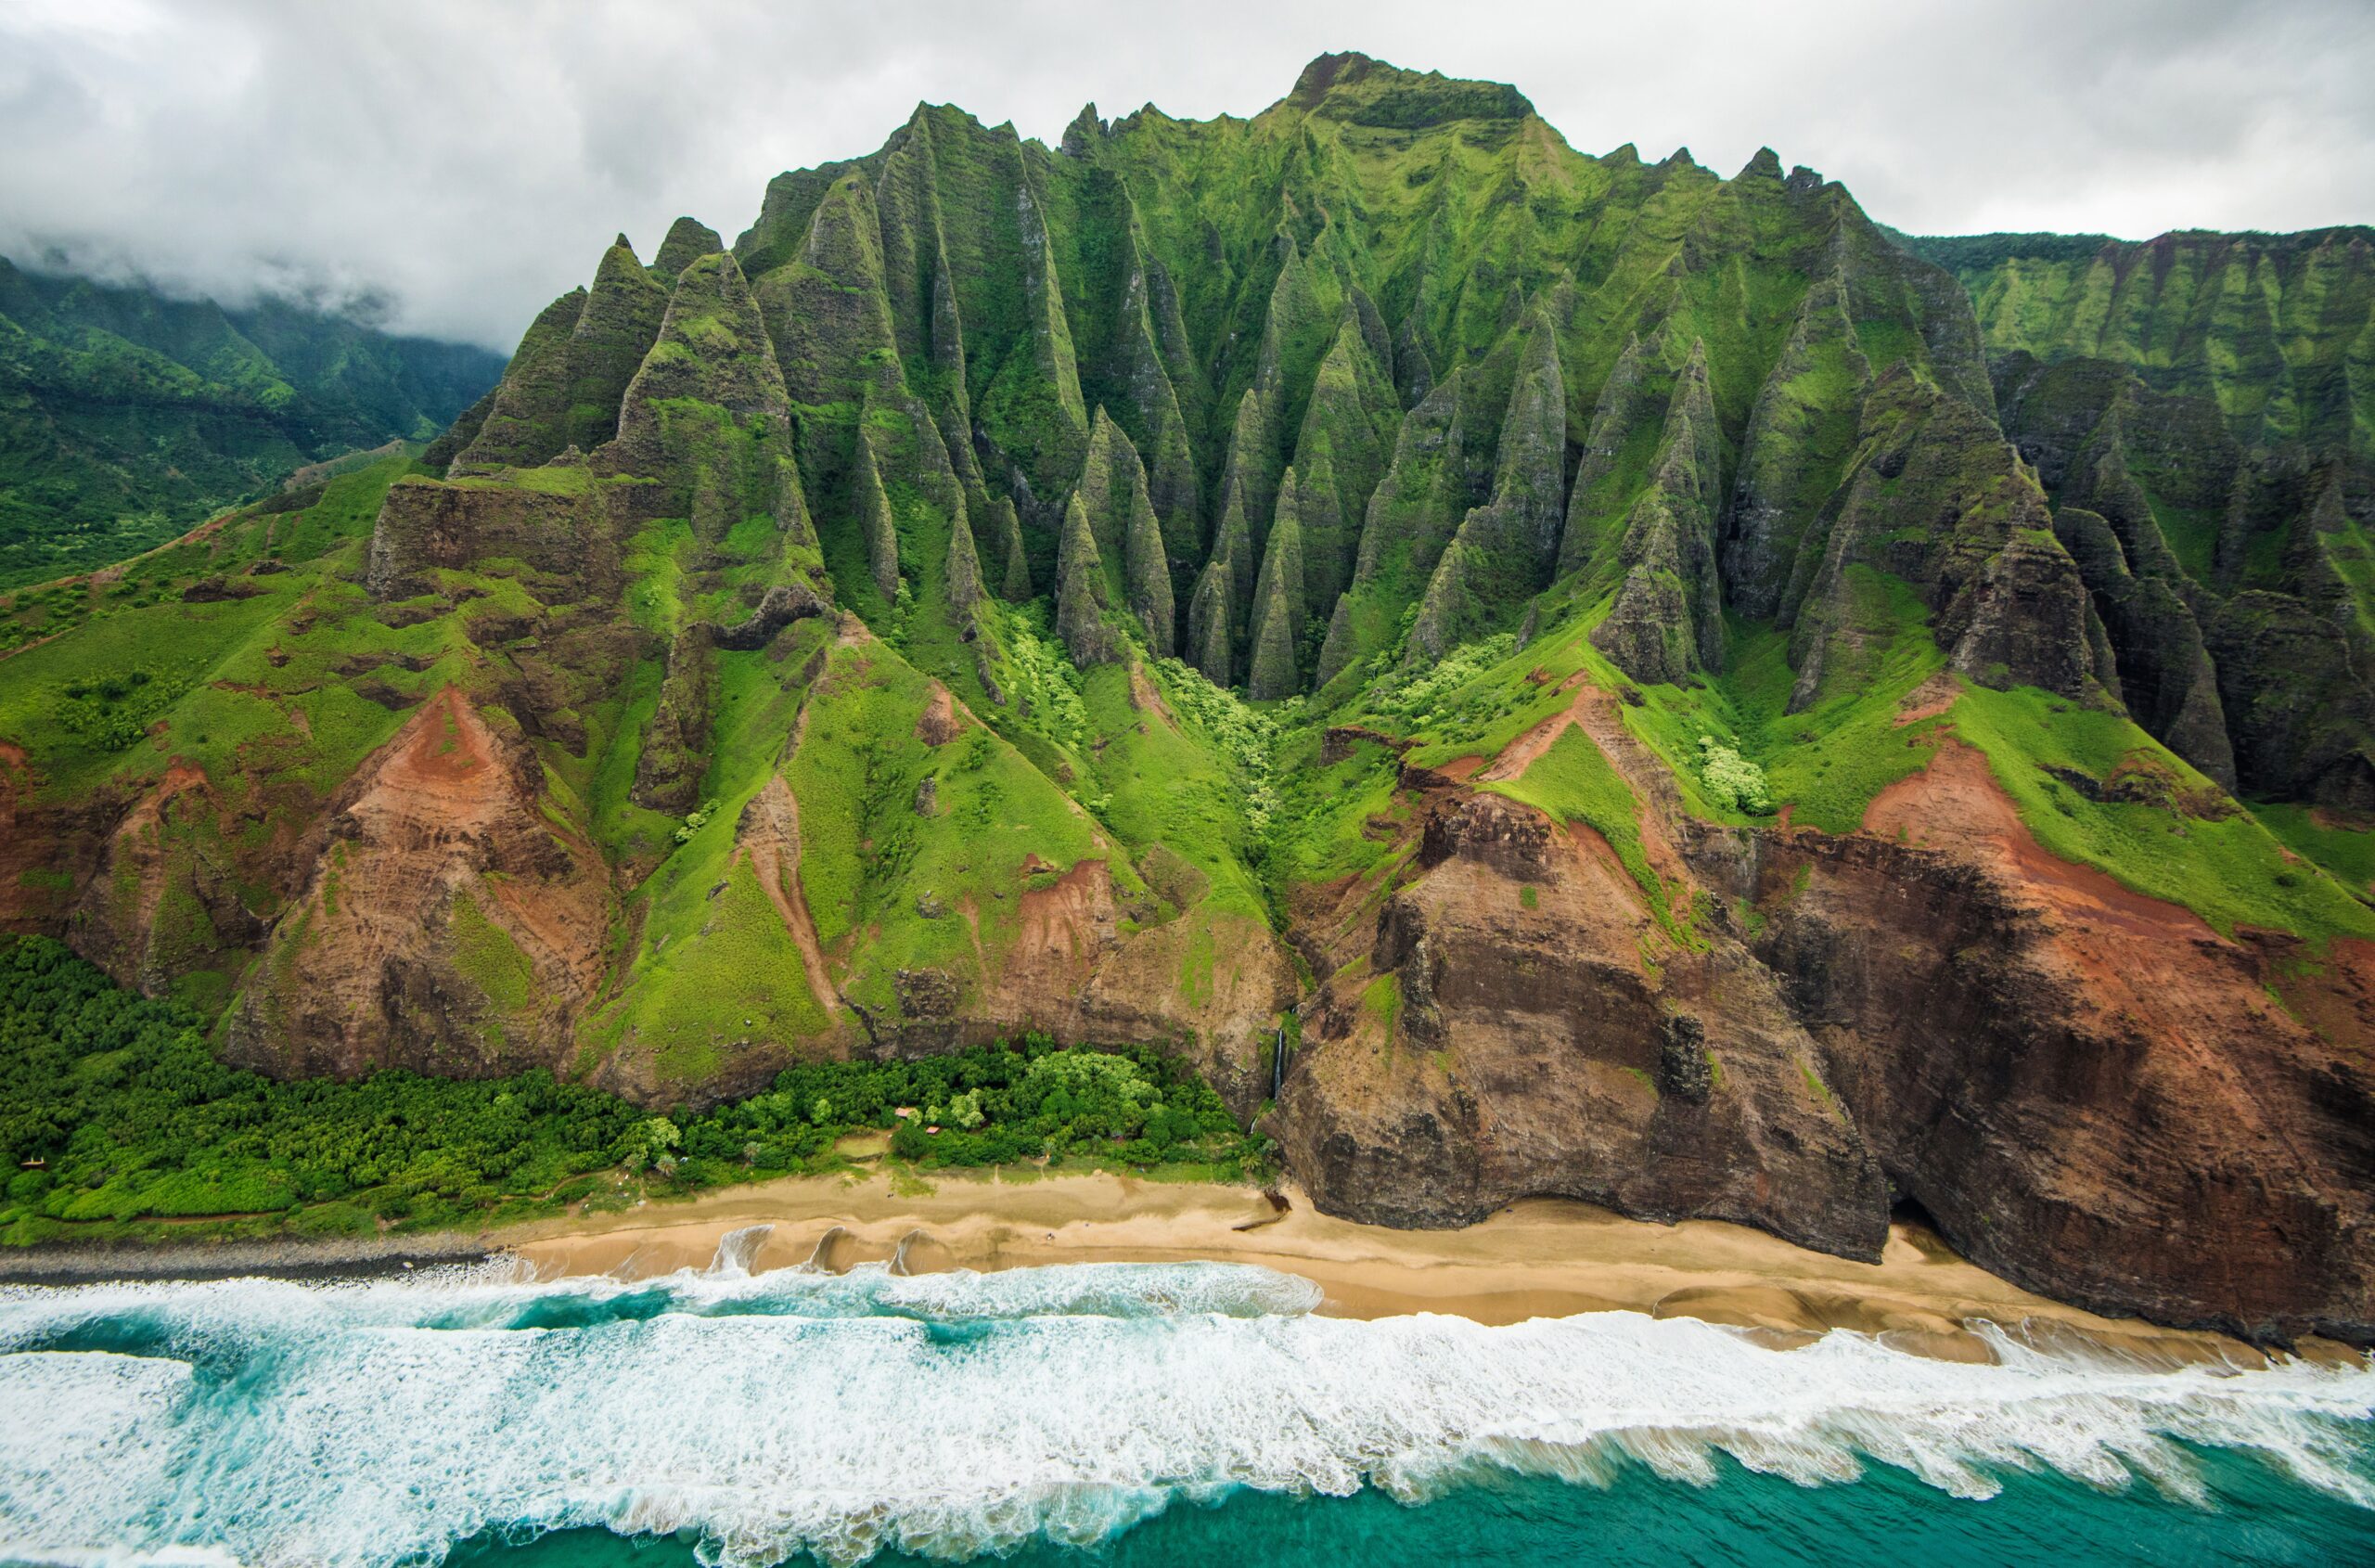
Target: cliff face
1505,1033
2056,1067
2092,1091
1704,746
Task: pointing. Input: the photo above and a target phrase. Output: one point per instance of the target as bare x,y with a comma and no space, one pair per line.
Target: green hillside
1074,589
127,415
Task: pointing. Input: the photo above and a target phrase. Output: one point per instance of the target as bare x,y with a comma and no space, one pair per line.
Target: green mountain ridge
2211,398
1626,675
126,414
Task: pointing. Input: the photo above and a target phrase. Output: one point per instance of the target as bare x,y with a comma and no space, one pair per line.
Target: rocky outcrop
1506,1034
1939,502
449,927
426,526
674,754
779,608
2296,698
166,901
2165,676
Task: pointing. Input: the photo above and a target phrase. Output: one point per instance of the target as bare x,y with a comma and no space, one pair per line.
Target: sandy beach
1542,1257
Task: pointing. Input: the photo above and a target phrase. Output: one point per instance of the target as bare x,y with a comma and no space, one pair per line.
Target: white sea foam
955,1413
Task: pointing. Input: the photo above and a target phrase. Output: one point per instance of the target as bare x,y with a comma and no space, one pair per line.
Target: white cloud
463,162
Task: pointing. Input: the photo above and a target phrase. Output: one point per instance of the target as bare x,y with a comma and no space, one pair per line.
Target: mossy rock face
1503,549
2203,396
1666,621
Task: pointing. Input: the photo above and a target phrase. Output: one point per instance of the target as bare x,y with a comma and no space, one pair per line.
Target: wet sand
1541,1257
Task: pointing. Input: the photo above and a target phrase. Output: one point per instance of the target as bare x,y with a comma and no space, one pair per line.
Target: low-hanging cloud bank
450,165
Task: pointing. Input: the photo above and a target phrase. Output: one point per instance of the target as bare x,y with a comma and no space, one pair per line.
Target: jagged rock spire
617,325
1082,596
1293,335
524,427
564,386
1667,620
875,525
1626,399
1348,434
1800,434
1505,549
1141,374
964,570
1005,545
1113,491
705,418
688,240
1146,570
1278,613
1210,635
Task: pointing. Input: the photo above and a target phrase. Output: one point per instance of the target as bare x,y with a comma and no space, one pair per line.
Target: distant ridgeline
2200,409
125,415
1590,660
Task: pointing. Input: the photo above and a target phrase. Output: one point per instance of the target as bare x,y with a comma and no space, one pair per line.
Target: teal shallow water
1114,1414
2255,1516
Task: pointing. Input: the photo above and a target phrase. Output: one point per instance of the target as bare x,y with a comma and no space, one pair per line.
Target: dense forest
118,1121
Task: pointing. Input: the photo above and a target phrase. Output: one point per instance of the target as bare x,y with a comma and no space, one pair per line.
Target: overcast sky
462,161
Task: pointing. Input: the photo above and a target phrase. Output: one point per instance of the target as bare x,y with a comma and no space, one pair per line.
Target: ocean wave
954,1414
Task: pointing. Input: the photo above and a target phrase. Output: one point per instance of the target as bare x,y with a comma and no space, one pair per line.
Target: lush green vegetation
884,397
1573,781
125,416
2178,840
117,1121
2348,852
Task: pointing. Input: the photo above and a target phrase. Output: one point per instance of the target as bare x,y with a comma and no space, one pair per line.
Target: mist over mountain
127,413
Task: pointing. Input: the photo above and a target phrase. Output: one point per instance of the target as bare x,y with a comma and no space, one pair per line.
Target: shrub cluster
1731,780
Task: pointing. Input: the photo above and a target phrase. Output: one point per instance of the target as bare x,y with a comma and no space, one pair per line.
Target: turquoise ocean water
1120,1414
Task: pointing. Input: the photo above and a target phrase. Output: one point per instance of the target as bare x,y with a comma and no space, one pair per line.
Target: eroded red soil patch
1929,699
1955,804
769,833
937,726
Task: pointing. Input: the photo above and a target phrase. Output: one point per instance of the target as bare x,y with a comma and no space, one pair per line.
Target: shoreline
1538,1257
279,1257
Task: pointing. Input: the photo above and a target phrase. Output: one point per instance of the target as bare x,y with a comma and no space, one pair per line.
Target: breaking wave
953,1415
